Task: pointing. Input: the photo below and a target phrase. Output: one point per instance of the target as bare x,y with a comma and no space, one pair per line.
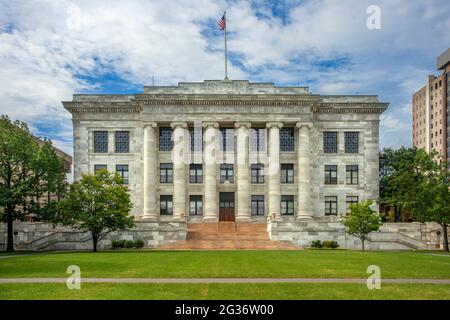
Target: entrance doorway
226,206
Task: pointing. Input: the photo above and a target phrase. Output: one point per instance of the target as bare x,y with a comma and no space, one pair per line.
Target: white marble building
267,150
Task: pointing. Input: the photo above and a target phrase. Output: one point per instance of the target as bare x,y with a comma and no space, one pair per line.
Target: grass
193,264
285,291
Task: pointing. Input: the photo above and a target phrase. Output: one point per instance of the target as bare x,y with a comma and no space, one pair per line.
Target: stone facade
241,106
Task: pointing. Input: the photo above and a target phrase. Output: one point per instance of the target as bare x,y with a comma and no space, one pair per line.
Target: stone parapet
392,236
44,236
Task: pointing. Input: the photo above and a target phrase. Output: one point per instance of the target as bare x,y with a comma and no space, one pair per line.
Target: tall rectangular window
351,200
122,170
226,173
165,205
330,174
195,173
101,141
352,174
98,167
196,139
330,142
257,205
351,142
330,205
166,172
165,139
257,172
287,205
226,139
257,139
287,139
122,141
287,173
195,205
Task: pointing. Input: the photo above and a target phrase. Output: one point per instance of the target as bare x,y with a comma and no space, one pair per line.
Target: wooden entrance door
226,206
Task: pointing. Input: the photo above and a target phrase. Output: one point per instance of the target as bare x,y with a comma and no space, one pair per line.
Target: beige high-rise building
429,111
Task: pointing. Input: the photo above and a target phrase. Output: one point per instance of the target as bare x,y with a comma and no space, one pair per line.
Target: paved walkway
222,280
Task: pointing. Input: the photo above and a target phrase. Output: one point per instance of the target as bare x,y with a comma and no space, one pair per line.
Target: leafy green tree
24,171
362,220
98,204
430,198
394,184
419,182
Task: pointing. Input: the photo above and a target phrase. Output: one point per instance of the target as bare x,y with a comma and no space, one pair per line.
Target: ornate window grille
122,141
287,142
330,142
101,141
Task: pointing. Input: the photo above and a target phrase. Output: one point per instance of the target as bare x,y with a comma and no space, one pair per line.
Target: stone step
227,236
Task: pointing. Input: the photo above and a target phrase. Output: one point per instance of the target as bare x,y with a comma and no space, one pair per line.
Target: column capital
239,124
178,124
150,124
213,124
304,124
279,125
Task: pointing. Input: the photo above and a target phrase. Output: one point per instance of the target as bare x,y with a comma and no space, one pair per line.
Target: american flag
222,23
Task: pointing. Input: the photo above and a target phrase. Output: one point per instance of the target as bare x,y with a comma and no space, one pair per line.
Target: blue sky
50,49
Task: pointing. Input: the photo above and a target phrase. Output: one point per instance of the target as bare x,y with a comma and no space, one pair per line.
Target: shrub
138,244
129,244
316,244
330,244
118,244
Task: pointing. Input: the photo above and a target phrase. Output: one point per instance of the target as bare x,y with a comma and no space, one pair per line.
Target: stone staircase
228,236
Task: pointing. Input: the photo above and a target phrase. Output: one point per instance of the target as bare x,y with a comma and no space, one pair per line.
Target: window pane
287,139
257,139
98,167
351,142
165,139
122,141
101,141
330,142
122,170
196,139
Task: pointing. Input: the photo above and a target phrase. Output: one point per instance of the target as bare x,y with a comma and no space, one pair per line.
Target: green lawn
188,264
288,291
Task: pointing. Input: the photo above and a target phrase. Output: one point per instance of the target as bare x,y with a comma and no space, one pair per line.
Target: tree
24,171
430,198
361,221
98,204
395,185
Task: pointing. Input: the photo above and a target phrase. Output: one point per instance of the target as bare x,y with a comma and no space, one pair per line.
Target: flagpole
226,51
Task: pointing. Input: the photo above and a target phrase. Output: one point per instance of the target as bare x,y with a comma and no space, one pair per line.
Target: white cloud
47,48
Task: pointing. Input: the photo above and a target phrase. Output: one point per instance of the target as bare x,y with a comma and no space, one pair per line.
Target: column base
148,219
304,217
210,219
243,219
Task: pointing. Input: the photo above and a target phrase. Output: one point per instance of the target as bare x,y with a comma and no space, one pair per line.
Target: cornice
272,103
343,107
138,106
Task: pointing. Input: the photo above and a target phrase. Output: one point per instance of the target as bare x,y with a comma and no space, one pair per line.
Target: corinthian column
179,170
243,172
273,171
150,211
211,212
304,171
